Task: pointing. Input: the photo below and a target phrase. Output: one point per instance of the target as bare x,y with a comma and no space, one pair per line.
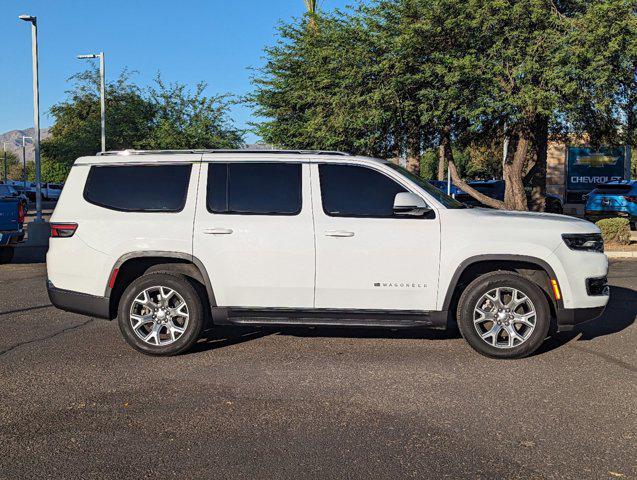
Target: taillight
63,230
631,198
20,213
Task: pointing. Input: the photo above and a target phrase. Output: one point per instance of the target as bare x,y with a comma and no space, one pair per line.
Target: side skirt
329,317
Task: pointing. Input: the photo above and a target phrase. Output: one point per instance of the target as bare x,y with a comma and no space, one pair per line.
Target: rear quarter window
138,188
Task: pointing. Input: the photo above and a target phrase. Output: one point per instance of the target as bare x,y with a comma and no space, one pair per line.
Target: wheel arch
473,267
134,264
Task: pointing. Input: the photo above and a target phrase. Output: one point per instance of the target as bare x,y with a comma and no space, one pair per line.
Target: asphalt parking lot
77,402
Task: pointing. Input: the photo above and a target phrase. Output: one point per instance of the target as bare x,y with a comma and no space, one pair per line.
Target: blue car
613,199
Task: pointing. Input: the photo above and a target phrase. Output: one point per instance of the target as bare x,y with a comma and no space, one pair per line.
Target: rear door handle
339,233
217,231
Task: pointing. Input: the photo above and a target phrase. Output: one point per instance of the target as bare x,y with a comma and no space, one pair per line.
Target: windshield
439,195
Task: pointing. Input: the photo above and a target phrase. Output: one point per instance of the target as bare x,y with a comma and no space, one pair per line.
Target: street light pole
4,146
102,93
36,112
24,163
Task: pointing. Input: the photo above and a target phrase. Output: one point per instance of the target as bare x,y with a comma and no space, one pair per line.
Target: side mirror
407,203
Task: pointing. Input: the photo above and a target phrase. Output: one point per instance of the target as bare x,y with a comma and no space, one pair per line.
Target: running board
329,317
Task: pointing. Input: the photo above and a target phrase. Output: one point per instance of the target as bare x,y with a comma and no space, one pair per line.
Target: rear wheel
161,314
6,254
503,315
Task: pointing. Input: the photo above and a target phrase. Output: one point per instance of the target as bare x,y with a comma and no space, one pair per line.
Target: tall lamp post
102,93
36,112
4,147
24,162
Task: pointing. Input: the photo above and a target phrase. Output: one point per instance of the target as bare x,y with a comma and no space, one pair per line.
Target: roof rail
201,151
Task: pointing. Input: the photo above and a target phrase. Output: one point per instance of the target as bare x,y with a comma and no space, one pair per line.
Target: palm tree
312,10
312,6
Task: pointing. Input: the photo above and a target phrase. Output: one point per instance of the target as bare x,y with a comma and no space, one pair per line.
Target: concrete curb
621,254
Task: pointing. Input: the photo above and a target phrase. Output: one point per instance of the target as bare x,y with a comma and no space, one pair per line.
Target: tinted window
143,188
351,191
254,188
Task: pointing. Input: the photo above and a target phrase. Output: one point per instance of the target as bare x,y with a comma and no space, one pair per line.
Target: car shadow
369,332
618,315
225,336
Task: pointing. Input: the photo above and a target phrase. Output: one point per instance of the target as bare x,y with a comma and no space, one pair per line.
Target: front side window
138,188
443,198
353,191
254,188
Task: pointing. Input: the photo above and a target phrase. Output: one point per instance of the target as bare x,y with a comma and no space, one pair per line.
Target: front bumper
77,302
568,318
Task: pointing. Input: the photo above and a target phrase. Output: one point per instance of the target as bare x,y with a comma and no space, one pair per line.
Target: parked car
168,242
8,191
490,188
495,189
11,226
613,199
51,191
25,188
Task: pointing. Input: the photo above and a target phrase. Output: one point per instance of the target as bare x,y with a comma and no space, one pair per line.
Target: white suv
173,242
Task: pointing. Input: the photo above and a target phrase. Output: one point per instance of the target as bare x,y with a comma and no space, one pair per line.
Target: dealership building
573,171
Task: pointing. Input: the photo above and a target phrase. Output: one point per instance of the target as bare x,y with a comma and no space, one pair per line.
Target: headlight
590,242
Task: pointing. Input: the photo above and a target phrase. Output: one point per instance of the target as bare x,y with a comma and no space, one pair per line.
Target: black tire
6,254
475,292
184,288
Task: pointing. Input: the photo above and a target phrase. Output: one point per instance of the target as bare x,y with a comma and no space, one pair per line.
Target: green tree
54,171
186,119
12,161
600,86
159,117
398,78
76,129
319,89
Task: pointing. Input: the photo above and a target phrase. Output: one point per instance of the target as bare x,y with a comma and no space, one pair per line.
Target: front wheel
503,315
161,314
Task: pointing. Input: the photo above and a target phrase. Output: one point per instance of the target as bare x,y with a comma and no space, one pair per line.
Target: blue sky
186,40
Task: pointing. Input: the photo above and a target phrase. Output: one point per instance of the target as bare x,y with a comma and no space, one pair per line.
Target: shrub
615,231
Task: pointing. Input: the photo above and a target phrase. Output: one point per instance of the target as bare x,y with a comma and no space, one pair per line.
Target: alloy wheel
504,317
159,315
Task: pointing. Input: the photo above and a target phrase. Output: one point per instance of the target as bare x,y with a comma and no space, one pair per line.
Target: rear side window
352,191
254,188
138,188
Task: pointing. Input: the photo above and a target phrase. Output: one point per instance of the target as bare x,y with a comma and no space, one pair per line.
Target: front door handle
339,233
217,231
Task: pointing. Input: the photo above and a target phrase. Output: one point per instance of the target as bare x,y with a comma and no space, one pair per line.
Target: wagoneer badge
400,285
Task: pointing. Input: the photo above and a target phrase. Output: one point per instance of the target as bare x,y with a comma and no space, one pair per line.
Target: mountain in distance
13,141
